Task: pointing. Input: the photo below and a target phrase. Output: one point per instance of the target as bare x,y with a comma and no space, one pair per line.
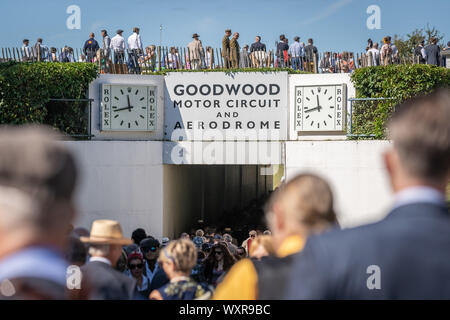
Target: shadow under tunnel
223,196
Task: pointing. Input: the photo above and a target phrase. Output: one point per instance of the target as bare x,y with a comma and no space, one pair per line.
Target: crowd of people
302,255
117,52
388,53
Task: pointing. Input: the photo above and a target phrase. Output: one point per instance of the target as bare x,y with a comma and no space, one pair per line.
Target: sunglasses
218,253
241,253
152,249
253,236
134,266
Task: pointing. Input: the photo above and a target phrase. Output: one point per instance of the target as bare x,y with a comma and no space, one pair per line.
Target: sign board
216,106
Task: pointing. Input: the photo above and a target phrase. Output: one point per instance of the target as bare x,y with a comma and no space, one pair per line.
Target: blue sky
335,25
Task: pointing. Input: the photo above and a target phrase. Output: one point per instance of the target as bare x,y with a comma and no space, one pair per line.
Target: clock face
128,108
320,108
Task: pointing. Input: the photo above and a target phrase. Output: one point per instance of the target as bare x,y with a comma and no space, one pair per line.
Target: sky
335,25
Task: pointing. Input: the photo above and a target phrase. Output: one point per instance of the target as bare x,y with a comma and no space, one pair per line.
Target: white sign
217,106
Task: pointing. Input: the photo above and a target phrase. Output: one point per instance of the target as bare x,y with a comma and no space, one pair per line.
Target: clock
128,108
320,108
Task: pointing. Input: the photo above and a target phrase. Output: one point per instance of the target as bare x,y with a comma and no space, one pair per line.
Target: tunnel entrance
222,196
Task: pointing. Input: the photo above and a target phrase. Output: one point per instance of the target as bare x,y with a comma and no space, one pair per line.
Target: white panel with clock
320,108
128,108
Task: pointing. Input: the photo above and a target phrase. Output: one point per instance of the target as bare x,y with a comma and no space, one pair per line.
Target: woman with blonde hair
177,259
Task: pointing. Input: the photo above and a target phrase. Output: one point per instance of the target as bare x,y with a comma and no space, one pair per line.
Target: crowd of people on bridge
303,254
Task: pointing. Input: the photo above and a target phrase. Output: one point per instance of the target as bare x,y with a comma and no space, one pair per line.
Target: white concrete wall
127,181
355,171
120,181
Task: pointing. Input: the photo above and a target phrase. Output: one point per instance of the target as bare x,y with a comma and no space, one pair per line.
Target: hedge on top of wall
26,90
397,82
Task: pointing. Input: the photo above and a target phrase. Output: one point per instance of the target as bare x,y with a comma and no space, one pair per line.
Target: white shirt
418,195
101,259
375,55
134,42
118,43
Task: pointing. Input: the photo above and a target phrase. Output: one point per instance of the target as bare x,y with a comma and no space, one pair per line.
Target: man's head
434,40
286,40
282,37
258,39
420,133
112,252
236,35
104,33
195,36
375,45
136,30
39,40
150,249
228,32
38,176
91,35
302,206
448,44
119,32
138,235
252,234
422,42
245,47
297,39
26,42
310,41
199,233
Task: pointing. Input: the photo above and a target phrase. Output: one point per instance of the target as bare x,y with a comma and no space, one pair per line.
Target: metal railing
350,117
88,135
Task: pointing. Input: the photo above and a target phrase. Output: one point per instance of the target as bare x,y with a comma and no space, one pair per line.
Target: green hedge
397,82
26,90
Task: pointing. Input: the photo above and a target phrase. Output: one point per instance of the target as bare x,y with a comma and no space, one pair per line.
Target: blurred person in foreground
105,248
406,255
38,176
299,208
177,260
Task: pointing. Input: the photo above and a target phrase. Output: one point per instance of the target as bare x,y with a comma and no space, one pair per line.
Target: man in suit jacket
226,49
432,52
105,283
195,52
406,255
235,51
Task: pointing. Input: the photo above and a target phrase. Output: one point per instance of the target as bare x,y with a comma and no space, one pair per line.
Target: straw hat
106,232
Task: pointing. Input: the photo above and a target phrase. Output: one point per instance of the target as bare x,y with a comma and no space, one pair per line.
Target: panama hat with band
106,232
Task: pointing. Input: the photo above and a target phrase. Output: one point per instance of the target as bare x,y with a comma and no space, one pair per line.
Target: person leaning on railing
148,61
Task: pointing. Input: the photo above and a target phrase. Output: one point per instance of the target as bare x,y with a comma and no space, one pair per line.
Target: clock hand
318,103
129,104
121,109
313,109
